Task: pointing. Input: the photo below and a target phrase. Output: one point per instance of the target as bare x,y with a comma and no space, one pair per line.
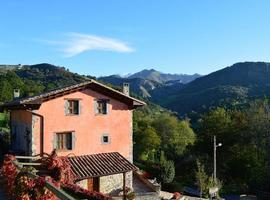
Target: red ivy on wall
9,171
21,187
59,167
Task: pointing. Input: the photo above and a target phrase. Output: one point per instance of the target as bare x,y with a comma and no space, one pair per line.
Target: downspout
10,131
41,132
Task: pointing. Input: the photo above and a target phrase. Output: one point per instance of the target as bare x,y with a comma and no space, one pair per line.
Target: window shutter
95,106
107,107
66,107
54,141
73,140
80,107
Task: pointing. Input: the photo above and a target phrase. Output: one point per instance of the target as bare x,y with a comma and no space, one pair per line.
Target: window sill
101,114
105,143
64,150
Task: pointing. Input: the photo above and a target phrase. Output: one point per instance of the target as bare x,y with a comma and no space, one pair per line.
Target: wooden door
93,184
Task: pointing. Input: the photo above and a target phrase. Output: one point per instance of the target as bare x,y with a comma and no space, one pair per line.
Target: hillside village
80,129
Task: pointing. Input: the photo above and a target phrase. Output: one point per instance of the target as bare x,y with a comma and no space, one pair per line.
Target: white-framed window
64,140
101,106
105,138
72,107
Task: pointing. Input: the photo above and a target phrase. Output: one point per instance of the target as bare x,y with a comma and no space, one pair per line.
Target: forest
181,154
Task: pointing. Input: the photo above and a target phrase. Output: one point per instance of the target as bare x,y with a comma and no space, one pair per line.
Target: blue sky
102,37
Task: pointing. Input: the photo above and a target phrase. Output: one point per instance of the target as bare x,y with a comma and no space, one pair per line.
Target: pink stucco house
89,122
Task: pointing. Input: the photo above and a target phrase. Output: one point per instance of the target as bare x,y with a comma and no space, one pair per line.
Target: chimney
126,88
16,93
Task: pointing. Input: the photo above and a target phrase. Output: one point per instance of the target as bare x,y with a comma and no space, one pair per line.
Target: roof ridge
42,96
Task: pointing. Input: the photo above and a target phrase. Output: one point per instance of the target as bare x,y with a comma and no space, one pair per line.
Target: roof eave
18,106
36,101
137,104
119,172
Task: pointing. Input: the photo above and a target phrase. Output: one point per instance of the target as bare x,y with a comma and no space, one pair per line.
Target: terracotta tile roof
102,164
92,84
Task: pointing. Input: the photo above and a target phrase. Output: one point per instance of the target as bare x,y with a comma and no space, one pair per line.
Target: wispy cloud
77,43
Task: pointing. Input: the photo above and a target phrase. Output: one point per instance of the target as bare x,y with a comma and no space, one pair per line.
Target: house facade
89,122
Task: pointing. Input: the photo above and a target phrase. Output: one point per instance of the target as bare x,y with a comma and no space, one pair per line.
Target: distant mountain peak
160,77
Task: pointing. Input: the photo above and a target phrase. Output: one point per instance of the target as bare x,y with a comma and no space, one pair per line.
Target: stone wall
83,184
150,196
129,179
113,184
33,138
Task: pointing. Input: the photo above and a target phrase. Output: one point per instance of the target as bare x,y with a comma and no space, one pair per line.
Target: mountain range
232,86
146,81
160,77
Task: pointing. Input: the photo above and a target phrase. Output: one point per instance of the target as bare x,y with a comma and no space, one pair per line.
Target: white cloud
77,43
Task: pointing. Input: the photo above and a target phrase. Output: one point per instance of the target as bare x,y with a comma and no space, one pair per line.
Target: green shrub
131,196
166,169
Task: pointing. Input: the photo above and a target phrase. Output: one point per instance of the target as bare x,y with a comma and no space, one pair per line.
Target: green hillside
33,79
229,87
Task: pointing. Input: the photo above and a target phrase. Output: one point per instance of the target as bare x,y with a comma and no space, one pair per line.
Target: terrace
63,187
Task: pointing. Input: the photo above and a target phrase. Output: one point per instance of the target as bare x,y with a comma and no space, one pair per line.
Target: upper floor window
63,141
72,107
101,106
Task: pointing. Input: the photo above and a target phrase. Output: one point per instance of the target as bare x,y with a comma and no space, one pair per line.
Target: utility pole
215,158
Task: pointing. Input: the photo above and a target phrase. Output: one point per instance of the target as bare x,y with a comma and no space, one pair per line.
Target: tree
167,169
245,151
258,117
167,127
9,82
175,135
216,122
204,181
31,88
201,179
184,137
5,91
148,143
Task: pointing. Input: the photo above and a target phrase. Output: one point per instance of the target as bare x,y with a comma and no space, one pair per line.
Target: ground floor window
64,141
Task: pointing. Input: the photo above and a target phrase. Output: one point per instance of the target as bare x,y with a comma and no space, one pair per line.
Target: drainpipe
41,132
10,131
